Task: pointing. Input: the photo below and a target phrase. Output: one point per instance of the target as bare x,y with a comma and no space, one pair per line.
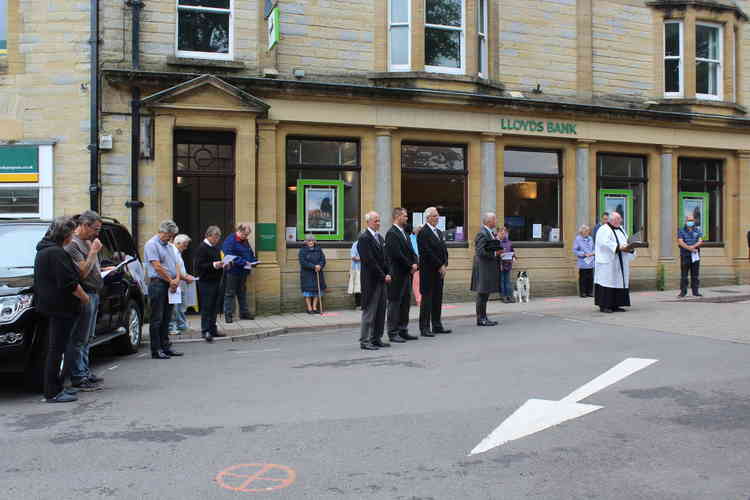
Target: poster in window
320,209
620,201
695,204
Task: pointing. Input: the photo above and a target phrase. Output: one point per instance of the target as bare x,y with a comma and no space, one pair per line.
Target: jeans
236,285
84,329
179,321
58,335
209,297
506,289
161,312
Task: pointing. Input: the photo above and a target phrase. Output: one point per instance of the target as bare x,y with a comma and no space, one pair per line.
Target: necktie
380,239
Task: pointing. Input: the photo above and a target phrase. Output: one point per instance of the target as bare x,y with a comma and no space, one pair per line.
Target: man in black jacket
375,277
402,262
208,267
433,264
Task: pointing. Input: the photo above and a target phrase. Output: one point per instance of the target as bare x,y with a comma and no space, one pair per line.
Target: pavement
307,415
660,311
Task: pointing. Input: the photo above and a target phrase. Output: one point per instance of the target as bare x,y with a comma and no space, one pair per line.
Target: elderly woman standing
179,321
355,286
312,261
58,297
583,248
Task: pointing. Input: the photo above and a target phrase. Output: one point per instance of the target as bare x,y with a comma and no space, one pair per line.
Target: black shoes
441,330
173,354
606,310
426,333
93,378
486,322
379,343
368,347
87,385
405,335
247,316
397,339
228,319
159,355
619,310
682,295
697,294
208,337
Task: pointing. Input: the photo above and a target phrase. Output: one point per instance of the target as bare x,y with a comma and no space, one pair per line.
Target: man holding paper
612,271
690,239
237,250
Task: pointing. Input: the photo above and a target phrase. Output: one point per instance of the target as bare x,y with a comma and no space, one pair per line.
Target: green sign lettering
551,127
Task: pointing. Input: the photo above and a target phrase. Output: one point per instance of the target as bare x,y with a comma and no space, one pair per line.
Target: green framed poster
620,201
697,204
320,209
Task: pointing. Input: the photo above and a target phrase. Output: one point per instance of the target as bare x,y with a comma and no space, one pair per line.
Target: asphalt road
394,424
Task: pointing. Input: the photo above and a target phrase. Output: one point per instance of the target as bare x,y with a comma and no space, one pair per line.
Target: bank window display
435,175
482,46
445,49
622,188
399,34
708,61
205,29
673,60
532,194
322,189
26,181
700,194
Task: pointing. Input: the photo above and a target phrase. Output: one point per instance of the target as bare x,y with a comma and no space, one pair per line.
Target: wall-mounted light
527,190
292,188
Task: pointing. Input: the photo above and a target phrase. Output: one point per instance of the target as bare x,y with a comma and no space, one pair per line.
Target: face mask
690,224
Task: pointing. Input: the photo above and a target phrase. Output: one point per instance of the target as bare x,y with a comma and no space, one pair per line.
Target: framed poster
620,201
697,205
320,209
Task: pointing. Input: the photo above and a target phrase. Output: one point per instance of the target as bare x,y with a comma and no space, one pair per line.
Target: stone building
300,116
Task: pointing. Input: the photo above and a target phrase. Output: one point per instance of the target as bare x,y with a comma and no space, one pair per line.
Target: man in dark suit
485,274
402,262
374,278
433,264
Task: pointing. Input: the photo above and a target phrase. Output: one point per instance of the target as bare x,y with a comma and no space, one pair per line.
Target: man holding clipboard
240,256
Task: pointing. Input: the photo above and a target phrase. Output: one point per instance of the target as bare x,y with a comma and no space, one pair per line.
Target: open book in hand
119,267
634,241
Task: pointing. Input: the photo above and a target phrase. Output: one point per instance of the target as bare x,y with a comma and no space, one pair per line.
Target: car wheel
129,343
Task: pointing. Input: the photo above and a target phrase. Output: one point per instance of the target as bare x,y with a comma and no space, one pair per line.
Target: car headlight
13,306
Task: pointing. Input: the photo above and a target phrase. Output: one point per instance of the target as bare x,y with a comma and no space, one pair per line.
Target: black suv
23,333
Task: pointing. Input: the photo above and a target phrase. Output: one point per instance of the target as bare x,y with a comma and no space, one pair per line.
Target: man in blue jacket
238,246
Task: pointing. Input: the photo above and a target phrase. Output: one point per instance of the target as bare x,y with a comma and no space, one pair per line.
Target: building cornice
716,5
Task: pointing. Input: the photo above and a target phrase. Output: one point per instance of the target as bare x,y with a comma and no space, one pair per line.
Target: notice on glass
554,234
441,223
417,219
291,234
536,231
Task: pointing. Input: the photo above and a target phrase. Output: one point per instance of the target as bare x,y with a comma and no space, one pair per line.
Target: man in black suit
402,262
433,264
374,278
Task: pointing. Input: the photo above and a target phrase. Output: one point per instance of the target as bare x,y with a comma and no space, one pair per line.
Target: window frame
629,179
560,188
719,62
462,38
679,58
718,184
483,38
342,168
391,25
192,54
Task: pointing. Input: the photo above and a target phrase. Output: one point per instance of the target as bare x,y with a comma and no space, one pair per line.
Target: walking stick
320,297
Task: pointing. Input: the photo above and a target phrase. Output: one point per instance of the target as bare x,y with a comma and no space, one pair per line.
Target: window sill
679,104
205,63
538,244
713,244
438,81
321,244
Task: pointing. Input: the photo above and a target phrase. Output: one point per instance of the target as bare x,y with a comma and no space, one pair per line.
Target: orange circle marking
256,478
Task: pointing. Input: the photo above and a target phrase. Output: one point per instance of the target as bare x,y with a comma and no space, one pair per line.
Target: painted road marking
142,355
243,477
113,367
538,414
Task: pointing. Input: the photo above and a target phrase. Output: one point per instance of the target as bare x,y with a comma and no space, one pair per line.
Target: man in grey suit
485,274
374,278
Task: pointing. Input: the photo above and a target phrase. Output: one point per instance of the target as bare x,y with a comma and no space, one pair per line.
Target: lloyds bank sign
538,126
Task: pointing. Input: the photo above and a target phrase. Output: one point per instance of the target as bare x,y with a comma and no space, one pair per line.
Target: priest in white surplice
612,268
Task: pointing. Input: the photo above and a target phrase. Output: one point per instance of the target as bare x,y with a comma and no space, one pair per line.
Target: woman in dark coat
312,261
58,297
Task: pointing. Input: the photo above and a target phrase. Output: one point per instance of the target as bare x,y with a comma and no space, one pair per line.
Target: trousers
58,337
78,349
161,313
209,295
236,286
398,309
373,316
431,308
688,266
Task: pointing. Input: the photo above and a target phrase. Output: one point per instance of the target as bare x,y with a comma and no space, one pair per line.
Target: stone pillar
743,192
488,189
667,205
583,184
383,176
267,276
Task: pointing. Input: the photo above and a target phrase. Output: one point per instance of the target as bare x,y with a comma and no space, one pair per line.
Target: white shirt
434,230
374,235
207,242
490,231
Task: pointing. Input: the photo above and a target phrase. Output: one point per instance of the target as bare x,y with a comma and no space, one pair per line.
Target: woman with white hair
179,321
583,248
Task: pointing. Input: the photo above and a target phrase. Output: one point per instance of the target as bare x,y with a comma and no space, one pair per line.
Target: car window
123,241
18,242
108,255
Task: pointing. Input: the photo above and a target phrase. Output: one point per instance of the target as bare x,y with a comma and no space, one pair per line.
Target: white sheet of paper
176,296
417,219
588,260
695,256
250,265
441,223
536,230
508,256
554,234
228,258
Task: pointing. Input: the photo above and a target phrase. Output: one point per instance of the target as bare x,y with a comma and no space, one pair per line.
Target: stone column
666,206
488,189
267,277
743,192
383,176
583,184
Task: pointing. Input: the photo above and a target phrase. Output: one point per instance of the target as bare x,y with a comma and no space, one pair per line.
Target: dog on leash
523,287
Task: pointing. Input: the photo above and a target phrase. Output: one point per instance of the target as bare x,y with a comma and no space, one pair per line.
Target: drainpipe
135,121
94,187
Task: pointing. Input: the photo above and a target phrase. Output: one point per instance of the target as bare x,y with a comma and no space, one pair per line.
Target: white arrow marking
538,414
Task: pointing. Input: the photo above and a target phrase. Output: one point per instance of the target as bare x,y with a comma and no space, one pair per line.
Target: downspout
135,121
94,187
